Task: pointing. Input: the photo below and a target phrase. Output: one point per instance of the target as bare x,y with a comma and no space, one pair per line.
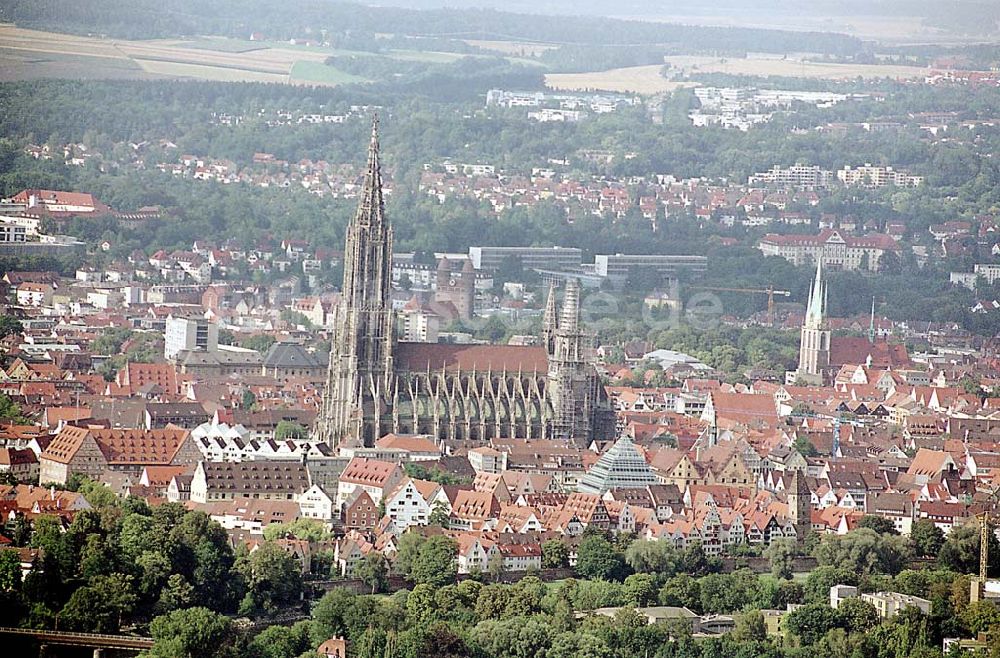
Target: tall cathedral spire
371,208
360,373
368,253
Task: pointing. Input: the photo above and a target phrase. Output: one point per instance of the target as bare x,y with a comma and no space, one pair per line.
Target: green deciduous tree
857,616
555,555
694,561
525,597
981,617
9,410
781,555
492,602
407,550
101,605
273,578
10,326
750,627
10,570
596,557
177,594
281,641
192,632
421,608
811,622
682,591
436,563
879,524
960,551
927,538
656,557
439,515
822,578
247,400
342,612
308,529
864,551
373,570
287,429
640,589
260,342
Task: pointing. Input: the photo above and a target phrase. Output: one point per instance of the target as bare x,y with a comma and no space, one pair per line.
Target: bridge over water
96,641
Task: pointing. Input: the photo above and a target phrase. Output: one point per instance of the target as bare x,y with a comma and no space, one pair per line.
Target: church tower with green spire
814,345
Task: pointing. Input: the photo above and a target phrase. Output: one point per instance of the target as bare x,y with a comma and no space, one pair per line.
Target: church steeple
361,364
573,388
550,320
368,253
816,306
871,324
371,208
814,346
570,320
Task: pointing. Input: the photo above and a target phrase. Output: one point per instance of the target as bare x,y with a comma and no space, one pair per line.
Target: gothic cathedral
377,384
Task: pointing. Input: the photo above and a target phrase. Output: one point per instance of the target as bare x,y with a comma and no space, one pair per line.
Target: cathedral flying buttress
377,384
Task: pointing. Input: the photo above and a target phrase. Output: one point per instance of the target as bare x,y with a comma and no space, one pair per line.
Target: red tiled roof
56,197
856,349
412,443
744,407
368,471
128,446
418,356
475,505
138,375
160,476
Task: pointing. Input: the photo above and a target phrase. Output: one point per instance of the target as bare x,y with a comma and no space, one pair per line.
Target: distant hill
136,19
954,16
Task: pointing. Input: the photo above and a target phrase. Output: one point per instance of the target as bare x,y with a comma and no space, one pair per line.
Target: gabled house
412,502
371,475
359,512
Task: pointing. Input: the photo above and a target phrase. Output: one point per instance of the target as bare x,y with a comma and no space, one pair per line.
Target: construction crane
769,291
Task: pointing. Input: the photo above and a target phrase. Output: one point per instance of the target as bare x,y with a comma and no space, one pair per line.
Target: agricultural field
23,65
201,72
221,44
644,80
320,73
648,79
30,54
789,68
